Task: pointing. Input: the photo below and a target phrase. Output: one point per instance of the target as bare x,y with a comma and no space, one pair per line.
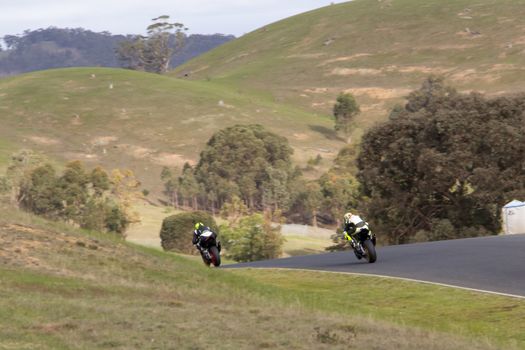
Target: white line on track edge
391,277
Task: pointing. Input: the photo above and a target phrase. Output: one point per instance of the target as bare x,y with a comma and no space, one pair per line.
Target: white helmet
347,217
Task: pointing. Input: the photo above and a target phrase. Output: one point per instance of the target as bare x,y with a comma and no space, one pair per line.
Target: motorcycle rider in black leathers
199,229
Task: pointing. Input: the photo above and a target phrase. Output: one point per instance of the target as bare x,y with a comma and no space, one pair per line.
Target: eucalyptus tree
153,52
345,110
249,162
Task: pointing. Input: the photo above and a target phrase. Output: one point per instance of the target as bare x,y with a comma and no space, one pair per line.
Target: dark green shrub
253,238
177,230
117,220
94,216
41,193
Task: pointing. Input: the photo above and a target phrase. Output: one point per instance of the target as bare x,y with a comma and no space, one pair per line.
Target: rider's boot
356,249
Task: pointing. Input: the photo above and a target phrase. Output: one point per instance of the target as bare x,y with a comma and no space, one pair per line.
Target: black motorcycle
363,243
210,248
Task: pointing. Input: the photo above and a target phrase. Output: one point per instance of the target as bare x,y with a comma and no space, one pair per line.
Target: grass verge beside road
303,245
444,309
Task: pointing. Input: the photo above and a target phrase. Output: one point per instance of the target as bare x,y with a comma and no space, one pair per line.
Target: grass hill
62,289
377,49
141,121
285,76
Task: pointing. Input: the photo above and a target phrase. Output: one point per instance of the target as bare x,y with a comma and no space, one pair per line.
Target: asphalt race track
494,264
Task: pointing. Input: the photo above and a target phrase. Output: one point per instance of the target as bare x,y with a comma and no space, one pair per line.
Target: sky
235,17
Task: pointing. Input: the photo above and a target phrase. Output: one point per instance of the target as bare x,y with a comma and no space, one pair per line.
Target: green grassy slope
65,289
285,76
139,120
378,50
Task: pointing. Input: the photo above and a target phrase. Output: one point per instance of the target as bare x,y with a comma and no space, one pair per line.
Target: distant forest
66,47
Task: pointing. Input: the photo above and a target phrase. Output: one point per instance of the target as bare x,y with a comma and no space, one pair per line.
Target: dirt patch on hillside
344,58
468,33
307,55
449,47
418,69
244,54
26,246
103,140
503,67
355,71
197,70
317,90
318,104
79,155
519,41
301,136
491,74
172,160
46,141
76,120
390,69
123,114
464,74
503,20
135,151
379,93
222,104
373,107
201,119
161,158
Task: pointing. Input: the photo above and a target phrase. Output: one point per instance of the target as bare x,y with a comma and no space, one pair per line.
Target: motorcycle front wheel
205,260
370,251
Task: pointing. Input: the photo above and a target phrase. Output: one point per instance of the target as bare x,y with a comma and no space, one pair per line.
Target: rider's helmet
199,226
347,217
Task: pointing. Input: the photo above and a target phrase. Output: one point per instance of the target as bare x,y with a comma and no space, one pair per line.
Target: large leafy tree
250,162
153,52
18,170
313,200
340,193
444,162
171,185
189,186
164,38
40,192
345,111
73,185
330,196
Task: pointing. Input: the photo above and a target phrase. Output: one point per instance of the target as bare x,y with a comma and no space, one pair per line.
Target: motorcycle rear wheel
370,251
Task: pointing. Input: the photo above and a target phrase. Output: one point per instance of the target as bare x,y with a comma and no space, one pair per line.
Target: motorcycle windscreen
207,238
363,234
